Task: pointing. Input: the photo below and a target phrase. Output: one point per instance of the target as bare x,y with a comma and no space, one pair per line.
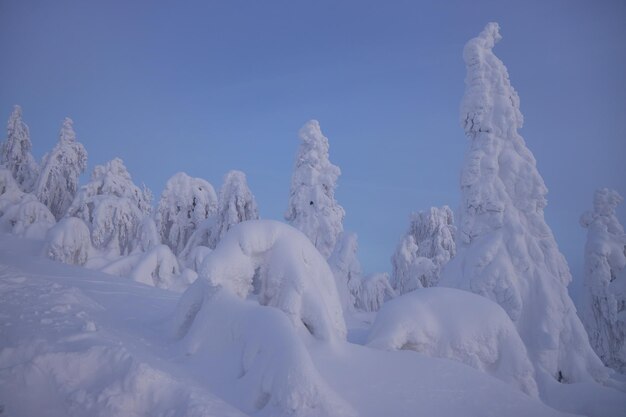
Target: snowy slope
74,342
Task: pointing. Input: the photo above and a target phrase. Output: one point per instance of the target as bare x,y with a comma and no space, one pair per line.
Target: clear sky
206,86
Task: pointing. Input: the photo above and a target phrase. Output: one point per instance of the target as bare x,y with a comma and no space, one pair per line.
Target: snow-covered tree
312,206
236,205
113,207
68,241
506,251
411,271
15,152
58,181
185,203
346,268
604,312
424,250
27,218
373,291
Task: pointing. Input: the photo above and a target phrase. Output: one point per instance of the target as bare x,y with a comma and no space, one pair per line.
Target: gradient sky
206,86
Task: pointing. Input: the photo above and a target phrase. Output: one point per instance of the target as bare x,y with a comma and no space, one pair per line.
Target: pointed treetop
17,111
490,103
67,131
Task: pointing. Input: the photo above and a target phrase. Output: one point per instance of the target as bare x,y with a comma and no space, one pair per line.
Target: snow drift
448,323
279,267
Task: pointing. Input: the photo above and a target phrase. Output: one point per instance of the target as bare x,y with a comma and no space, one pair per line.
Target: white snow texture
506,251
604,309
15,152
454,324
424,250
58,180
312,206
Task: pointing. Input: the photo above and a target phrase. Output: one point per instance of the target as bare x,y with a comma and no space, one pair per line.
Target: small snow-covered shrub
278,266
113,207
27,218
69,241
252,355
458,325
373,291
10,192
184,204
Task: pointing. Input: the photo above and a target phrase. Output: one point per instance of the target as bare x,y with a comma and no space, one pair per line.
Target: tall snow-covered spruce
506,251
58,181
605,279
312,206
15,152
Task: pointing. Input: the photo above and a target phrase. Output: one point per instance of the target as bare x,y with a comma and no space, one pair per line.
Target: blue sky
204,87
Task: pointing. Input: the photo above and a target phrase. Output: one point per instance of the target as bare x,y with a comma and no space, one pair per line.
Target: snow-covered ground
76,342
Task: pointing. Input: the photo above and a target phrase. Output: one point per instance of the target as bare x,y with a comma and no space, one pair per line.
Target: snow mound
157,267
69,241
27,218
458,325
278,265
251,355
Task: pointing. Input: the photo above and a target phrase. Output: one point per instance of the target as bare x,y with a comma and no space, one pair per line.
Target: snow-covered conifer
68,241
58,180
604,312
114,208
411,271
27,218
236,205
346,268
423,251
15,152
506,251
185,203
312,206
373,291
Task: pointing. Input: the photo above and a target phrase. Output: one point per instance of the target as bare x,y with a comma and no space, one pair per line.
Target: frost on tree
236,205
346,269
185,203
604,312
58,181
312,206
68,241
373,291
424,250
15,152
20,213
113,207
506,251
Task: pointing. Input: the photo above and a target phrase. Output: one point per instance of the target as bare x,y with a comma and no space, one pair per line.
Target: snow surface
449,323
279,266
89,344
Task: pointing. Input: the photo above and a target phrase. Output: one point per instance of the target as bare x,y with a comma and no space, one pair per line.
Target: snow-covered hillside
76,342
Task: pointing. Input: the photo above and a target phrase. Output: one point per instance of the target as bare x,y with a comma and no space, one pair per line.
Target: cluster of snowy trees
501,248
